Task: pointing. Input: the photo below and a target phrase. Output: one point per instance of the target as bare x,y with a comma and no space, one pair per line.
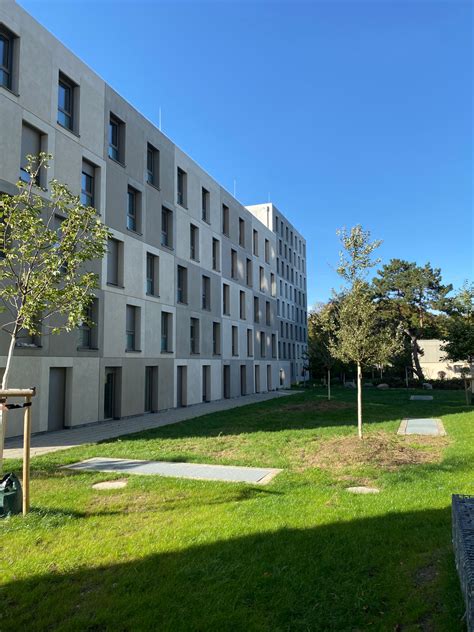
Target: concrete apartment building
200,297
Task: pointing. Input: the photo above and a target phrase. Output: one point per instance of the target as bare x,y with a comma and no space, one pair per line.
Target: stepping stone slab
429,427
228,473
110,485
363,490
421,398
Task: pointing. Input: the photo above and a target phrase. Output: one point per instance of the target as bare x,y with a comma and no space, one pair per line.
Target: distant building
433,361
200,298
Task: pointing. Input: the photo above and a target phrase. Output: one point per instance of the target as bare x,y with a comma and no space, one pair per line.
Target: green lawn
298,554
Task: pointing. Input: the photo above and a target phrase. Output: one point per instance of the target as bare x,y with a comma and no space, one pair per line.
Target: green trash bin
10,495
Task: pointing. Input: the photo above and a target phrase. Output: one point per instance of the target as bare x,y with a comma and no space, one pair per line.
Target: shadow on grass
384,573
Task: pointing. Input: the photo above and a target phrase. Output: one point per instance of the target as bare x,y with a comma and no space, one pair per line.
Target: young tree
361,336
321,337
407,295
46,242
459,333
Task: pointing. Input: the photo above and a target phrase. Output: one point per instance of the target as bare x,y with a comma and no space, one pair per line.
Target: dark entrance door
110,393
57,399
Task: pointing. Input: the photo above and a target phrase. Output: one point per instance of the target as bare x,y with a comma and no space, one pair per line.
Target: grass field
299,554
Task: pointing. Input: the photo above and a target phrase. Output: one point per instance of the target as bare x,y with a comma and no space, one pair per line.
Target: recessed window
166,332
88,184
267,251
152,274
242,305
182,285
262,344
66,89
256,309
241,232
152,165
7,43
233,264
31,145
194,242
225,220
248,273
216,338
262,279
205,205
194,335
133,210
88,330
226,299
132,323
250,342
166,227
114,262
255,243
268,318
116,139
235,341
216,256
182,181
206,292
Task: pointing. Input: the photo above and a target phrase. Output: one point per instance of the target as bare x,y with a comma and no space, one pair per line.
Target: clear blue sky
346,112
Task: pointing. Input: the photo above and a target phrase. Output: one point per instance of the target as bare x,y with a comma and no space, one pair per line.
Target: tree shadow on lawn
391,572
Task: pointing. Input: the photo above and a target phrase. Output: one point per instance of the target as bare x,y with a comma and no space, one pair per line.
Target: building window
166,324
152,274
194,242
114,262
116,139
31,141
262,344
242,305
248,273
194,335
255,243
206,292
152,165
235,341
182,187
205,205
267,251
133,210
273,284
250,342
262,279
182,285
225,220
216,338
233,264
268,318
151,389
6,58
88,184
256,309
241,232
88,329
131,333
66,90
166,227
216,256
226,299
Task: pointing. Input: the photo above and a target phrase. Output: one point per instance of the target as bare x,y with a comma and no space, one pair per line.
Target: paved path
430,427
227,473
71,438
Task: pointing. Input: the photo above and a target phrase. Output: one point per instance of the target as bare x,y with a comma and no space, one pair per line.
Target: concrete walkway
71,438
198,471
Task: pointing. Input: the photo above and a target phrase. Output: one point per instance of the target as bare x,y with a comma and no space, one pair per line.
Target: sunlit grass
299,554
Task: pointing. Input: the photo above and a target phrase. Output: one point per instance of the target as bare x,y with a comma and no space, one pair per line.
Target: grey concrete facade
188,309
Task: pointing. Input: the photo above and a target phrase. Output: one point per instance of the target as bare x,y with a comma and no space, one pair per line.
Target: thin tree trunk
329,384
466,392
359,400
415,353
3,413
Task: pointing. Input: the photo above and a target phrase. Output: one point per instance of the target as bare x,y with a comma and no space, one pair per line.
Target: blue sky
344,112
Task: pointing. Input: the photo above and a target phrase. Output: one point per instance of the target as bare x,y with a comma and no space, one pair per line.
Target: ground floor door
111,393
57,399
257,378
243,379
269,377
226,381
206,383
151,389
181,386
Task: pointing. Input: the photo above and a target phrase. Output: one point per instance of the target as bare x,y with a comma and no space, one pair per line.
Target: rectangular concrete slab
429,427
421,398
228,473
